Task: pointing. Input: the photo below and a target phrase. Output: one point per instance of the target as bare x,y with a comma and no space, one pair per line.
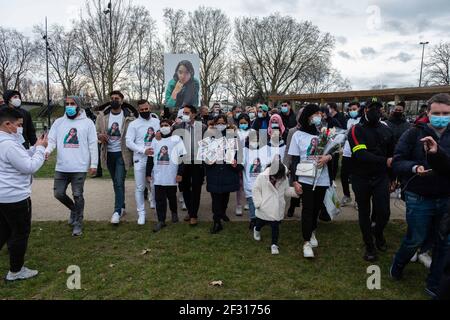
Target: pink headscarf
276,118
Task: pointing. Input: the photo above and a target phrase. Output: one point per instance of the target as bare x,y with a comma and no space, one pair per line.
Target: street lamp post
110,71
47,49
421,68
421,64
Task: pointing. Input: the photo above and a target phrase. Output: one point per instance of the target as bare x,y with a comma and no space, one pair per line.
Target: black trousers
373,190
219,205
345,175
312,203
162,195
193,177
275,225
444,287
15,227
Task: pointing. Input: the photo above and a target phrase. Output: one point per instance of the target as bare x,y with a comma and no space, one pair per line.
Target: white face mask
186,118
19,135
221,127
16,102
252,115
165,130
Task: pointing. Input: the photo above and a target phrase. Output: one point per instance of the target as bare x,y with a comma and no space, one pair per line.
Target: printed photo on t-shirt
313,148
71,139
114,132
148,138
163,156
255,168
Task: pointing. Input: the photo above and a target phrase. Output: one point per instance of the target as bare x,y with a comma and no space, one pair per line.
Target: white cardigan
269,200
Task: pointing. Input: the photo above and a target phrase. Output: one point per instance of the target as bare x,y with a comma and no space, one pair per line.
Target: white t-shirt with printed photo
303,145
115,132
167,153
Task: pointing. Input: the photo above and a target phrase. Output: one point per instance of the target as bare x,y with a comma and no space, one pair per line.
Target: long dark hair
305,125
186,95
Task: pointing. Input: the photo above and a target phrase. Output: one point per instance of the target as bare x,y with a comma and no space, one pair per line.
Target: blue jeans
251,208
423,216
116,167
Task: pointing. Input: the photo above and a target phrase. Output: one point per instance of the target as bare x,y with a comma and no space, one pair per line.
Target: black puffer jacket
409,153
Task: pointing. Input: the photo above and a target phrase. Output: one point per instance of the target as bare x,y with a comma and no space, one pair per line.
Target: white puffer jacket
270,201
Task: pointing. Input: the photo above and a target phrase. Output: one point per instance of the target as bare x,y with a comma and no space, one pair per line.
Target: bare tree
17,54
207,33
324,78
437,68
105,61
175,30
64,59
143,55
239,82
279,51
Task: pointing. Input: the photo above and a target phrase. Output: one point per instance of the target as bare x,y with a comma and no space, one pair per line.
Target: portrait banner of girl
184,86
71,139
255,168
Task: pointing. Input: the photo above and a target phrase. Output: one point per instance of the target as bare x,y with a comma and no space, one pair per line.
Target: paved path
99,197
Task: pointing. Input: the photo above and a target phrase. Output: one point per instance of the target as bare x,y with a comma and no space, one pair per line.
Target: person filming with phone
426,191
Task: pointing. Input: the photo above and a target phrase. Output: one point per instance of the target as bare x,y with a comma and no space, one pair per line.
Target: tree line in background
241,61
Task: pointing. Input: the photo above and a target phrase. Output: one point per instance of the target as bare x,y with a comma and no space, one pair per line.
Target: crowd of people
268,168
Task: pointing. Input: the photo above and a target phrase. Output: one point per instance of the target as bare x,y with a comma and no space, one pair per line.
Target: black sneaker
159,226
324,216
217,227
174,218
225,218
370,255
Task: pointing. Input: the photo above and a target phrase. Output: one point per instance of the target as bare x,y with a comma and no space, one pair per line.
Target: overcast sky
377,40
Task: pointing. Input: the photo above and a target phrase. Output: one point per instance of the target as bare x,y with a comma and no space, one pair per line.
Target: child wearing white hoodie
269,192
17,166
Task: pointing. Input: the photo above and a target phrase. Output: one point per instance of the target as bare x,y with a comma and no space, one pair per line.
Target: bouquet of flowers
330,140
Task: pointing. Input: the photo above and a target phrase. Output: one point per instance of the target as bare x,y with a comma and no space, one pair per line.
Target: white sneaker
425,259
239,210
152,204
115,219
313,240
141,219
275,249
414,258
23,274
256,234
246,207
307,250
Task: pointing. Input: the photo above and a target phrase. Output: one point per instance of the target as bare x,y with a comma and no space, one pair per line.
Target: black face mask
373,116
398,115
145,115
115,105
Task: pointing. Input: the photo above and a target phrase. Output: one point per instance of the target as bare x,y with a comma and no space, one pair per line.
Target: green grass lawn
182,261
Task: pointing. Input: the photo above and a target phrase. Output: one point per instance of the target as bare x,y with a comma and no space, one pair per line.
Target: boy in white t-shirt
164,166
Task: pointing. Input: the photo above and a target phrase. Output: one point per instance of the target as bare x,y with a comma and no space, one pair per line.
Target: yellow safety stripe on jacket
359,147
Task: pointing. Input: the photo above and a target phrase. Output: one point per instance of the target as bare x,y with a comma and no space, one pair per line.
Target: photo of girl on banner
184,87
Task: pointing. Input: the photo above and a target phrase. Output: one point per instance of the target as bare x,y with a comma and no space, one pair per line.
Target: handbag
306,169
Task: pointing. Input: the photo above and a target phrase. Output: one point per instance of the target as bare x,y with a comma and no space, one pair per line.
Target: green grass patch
182,261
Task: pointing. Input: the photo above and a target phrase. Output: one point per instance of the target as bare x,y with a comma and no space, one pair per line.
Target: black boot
217,227
380,243
370,255
174,217
159,226
225,218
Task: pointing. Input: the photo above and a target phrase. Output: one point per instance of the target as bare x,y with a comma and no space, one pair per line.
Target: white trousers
141,183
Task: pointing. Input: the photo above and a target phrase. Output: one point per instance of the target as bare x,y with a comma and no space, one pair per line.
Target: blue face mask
317,121
284,109
439,122
353,114
71,111
243,126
